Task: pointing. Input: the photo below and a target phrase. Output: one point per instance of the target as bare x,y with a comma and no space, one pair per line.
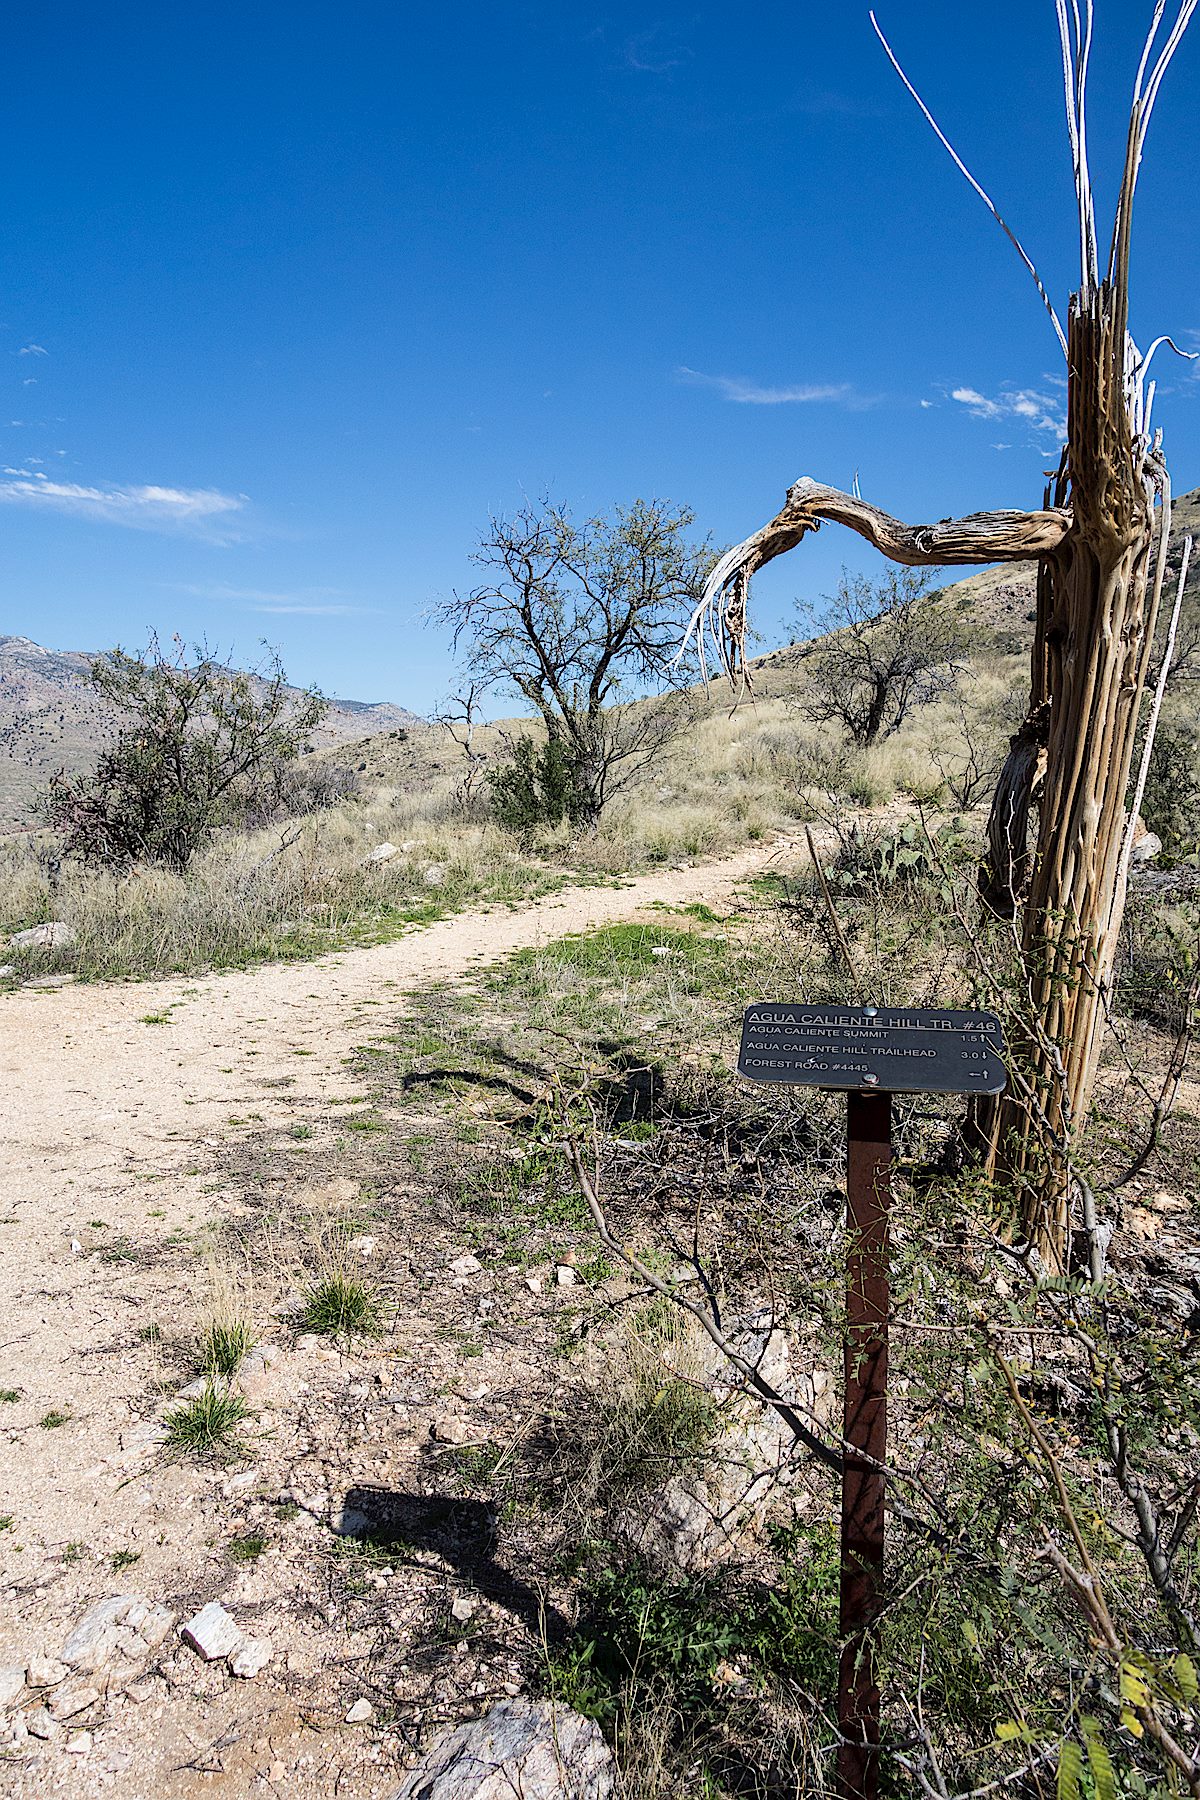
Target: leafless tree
969,753
889,645
461,714
1100,543
578,618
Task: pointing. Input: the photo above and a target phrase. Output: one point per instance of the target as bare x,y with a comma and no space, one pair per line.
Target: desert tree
460,715
887,645
967,751
578,618
1099,541
196,742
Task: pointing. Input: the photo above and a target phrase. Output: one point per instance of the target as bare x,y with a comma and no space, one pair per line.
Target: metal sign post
869,1053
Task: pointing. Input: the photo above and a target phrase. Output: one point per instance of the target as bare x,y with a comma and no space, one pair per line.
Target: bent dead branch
721,617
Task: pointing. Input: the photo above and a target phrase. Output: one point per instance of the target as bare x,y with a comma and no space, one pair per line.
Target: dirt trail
118,1106
90,1083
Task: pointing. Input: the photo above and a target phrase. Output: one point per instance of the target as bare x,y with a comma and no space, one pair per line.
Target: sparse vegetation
246,1547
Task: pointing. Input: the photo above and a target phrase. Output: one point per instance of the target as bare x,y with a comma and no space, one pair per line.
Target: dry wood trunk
1095,630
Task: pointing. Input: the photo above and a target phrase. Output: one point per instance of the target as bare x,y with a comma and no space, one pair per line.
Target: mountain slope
50,719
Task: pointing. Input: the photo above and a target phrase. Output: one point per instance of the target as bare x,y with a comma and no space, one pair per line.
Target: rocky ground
369,1597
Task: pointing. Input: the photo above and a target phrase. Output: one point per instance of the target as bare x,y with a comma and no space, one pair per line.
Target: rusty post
864,1429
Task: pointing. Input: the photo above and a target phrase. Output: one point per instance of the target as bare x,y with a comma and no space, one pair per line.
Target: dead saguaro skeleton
1099,542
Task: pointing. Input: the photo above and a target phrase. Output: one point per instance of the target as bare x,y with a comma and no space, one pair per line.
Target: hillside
50,719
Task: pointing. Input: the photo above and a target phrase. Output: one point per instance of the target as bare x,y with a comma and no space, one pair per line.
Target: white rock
251,1658
212,1632
39,1724
79,1743
46,1671
365,1246
434,875
462,1609
53,936
12,1683
155,1628
409,845
451,1431
1147,848
466,1265
7,969
120,1631
71,1698
350,1522
660,950
361,1713
383,853
700,1516
534,1283
565,1275
527,1747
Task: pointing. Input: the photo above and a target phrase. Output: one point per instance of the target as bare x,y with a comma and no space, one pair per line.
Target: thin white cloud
751,393
310,602
1043,412
33,350
147,506
651,54
325,612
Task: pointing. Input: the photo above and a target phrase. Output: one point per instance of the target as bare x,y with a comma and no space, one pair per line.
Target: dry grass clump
649,1411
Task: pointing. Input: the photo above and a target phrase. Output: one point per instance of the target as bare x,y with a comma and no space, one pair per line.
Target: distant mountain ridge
50,719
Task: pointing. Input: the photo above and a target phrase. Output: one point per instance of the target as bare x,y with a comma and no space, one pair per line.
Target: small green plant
367,1121
207,1425
225,1346
340,1306
6,1521
158,1018
300,1131
123,1559
73,1552
149,1334
10,1396
247,1548
475,1464
53,1419
121,1250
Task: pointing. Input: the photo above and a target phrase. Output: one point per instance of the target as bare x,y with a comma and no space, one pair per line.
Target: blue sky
292,298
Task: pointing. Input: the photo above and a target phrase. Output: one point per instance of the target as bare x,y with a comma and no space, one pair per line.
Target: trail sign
894,1050
869,1053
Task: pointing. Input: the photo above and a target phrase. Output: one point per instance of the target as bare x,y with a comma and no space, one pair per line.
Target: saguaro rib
986,537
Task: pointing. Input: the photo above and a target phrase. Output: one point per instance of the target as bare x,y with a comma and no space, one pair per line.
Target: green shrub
1171,804
538,787
224,1347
